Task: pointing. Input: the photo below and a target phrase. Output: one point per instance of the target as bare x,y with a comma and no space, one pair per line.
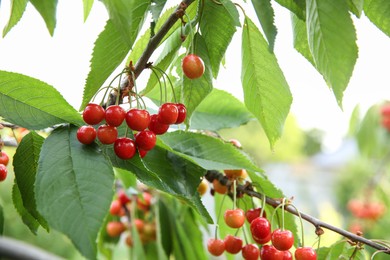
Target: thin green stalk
219,216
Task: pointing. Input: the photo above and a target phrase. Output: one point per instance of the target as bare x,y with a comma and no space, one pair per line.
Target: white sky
63,61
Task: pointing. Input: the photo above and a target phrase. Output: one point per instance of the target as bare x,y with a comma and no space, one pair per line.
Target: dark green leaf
27,218
232,10
220,110
156,7
298,7
47,9
266,92
127,17
1,220
265,14
301,43
33,104
218,28
332,41
17,10
378,11
25,167
74,188
195,90
209,152
356,7
87,8
109,51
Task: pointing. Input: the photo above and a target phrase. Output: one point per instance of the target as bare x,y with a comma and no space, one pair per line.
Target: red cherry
3,172
137,119
156,127
305,253
107,134
234,218
282,240
287,255
260,228
182,113
233,244
115,115
251,214
385,110
93,114
216,247
269,252
115,228
116,208
124,148
144,202
4,159
168,113
250,252
145,140
123,198
193,66
262,241
219,187
86,134
142,153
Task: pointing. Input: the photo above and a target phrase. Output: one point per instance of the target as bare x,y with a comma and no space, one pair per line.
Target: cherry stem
263,198
245,236
234,195
159,82
170,82
219,215
135,89
191,33
109,85
301,222
283,204
119,89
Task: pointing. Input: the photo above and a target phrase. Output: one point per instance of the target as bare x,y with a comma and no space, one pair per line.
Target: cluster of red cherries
4,159
146,126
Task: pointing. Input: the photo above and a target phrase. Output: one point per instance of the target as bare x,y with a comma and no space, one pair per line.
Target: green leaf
298,7
265,14
266,92
356,7
127,17
1,220
33,104
378,11
332,41
206,151
109,51
218,28
339,250
128,178
195,90
220,110
87,8
300,41
17,10
25,167
27,218
156,7
232,10
74,188
47,9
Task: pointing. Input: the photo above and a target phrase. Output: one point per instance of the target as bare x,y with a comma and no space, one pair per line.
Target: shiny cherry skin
4,159
137,119
142,153
260,228
250,252
216,247
305,253
193,66
123,198
168,113
86,134
251,214
287,255
282,240
93,114
269,252
115,228
145,140
156,127
233,244
3,172
124,148
116,208
182,113
107,134
115,115
234,218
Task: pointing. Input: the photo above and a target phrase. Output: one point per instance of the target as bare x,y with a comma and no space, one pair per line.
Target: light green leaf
301,43
266,92
33,104
127,178
220,110
127,17
356,7
206,151
378,11
109,51
74,188
17,10
265,14
29,220
25,167
298,7
332,41
1,220
87,8
47,9
218,28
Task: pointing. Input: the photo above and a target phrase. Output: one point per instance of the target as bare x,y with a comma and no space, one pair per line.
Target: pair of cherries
4,159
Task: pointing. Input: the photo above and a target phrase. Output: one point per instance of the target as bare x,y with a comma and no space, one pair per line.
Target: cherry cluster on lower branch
146,127
4,159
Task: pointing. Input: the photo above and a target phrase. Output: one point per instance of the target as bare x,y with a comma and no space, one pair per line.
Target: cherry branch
318,224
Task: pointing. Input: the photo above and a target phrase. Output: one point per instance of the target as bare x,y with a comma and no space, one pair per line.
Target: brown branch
318,224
